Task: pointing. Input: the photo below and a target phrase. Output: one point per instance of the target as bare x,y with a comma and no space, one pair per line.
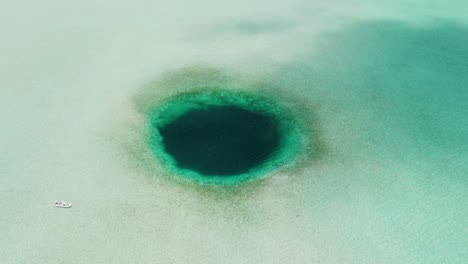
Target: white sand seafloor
388,81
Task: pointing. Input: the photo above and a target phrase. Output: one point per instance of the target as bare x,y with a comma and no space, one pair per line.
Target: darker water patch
215,136
221,140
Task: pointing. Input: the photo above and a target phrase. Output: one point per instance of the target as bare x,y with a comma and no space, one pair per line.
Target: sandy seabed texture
384,85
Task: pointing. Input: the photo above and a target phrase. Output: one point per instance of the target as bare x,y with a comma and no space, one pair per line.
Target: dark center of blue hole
221,140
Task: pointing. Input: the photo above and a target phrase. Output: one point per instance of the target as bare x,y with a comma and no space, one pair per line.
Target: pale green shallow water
387,83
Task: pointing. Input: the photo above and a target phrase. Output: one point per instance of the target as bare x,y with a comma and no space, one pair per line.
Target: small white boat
62,204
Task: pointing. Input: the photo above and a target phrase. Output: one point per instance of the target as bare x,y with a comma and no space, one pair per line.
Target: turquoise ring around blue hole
222,137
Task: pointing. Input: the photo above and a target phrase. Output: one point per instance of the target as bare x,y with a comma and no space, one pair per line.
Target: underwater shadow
412,80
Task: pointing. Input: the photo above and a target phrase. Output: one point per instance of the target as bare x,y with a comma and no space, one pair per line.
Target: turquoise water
385,85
